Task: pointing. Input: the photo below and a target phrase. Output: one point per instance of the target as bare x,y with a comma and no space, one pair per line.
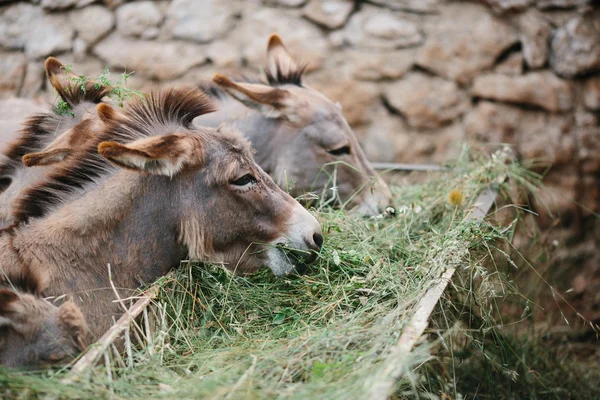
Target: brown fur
34,332
174,199
49,138
301,137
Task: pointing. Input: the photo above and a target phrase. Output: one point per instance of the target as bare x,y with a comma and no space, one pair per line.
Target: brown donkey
33,331
49,138
302,138
158,191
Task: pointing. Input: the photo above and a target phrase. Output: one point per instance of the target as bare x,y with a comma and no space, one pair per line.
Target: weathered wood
100,347
399,353
408,167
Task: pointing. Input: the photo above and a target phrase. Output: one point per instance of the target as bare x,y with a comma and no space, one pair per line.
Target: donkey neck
123,222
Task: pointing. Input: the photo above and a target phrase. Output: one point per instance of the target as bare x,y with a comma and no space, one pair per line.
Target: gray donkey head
302,138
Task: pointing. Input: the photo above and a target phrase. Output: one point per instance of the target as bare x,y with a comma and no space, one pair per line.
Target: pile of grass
328,334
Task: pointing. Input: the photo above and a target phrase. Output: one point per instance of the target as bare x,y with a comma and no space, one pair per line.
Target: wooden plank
94,352
399,353
409,167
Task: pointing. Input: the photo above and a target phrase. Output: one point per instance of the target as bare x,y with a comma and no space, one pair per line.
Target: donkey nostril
318,239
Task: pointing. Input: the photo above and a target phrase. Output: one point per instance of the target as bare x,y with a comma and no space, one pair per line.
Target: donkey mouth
300,259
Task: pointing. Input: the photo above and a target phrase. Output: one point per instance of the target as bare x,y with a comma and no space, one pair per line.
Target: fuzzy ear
71,320
107,113
44,158
281,67
66,144
59,78
160,155
271,102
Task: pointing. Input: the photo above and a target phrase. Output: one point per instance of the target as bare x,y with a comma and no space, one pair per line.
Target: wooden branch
417,324
408,167
95,351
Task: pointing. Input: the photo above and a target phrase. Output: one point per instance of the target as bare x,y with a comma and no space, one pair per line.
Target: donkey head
52,137
81,123
226,208
34,332
304,141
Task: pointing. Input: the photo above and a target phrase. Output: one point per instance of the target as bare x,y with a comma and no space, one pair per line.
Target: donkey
156,191
302,138
49,138
33,331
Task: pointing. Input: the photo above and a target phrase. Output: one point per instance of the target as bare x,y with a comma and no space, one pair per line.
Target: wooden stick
97,349
408,167
417,324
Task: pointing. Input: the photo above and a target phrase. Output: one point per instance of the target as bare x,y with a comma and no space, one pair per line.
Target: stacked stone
414,77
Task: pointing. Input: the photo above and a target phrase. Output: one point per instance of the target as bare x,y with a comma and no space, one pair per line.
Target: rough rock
15,24
417,6
139,19
591,93
285,3
356,98
426,102
63,4
377,29
186,20
513,65
549,4
224,54
464,41
531,131
35,75
331,14
380,66
384,137
302,38
13,112
13,67
151,59
503,6
24,26
576,46
534,31
588,142
92,23
542,89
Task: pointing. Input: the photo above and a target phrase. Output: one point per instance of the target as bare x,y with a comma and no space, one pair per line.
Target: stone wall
414,77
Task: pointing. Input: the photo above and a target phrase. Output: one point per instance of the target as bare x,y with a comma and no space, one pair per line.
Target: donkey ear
44,158
71,320
280,64
160,155
107,113
59,77
271,102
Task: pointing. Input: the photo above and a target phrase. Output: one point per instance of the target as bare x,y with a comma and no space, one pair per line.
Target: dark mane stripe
35,132
147,116
292,77
75,94
31,139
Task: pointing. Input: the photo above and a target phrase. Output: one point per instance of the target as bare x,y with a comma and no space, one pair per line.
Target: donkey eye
244,180
340,151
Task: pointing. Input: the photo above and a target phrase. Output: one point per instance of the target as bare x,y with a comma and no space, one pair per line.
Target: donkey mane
31,139
152,114
76,93
293,76
39,127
